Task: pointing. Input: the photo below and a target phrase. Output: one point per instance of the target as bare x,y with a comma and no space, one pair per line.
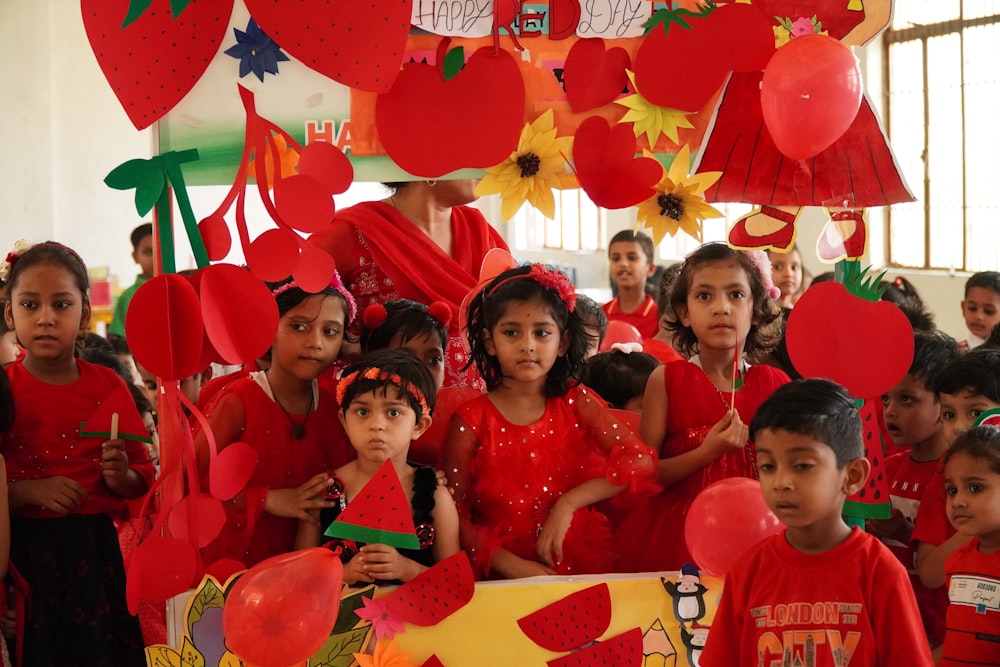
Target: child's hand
729,434
549,546
114,462
354,571
896,527
509,566
61,495
381,561
293,503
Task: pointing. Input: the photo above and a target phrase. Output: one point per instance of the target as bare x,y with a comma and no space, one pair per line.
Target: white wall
64,131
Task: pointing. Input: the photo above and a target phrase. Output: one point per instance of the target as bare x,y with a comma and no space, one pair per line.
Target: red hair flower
555,280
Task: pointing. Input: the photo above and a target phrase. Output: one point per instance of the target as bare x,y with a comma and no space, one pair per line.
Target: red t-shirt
932,524
645,318
973,636
851,605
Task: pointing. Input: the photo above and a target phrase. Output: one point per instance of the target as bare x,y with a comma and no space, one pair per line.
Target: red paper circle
160,568
273,254
224,568
231,470
327,164
241,317
216,237
314,269
303,203
197,519
165,328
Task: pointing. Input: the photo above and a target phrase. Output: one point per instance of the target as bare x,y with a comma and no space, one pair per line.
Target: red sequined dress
651,536
506,476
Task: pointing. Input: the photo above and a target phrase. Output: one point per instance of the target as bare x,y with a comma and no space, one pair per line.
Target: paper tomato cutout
283,609
435,594
358,44
594,75
865,346
624,650
810,94
380,514
164,327
569,623
241,317
424,122
607,168
147,69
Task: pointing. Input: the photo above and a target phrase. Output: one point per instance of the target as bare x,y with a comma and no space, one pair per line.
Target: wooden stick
114,426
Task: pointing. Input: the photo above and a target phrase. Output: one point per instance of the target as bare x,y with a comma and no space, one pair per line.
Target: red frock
651,537
242,412
858,170
382,256
506,476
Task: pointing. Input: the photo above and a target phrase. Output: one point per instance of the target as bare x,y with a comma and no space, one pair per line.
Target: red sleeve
725,639
896,625
630,460
932,524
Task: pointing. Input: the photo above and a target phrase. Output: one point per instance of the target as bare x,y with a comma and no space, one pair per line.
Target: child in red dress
694,411
528,459
291,423
65,487
630,255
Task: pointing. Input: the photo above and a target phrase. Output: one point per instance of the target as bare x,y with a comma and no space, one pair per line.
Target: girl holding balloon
289,423
783,156
695,411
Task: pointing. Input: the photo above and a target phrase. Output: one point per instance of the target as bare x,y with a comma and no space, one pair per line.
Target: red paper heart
231,470
165,327
594,76
154,61
241,317
424,121
607,168
359,44
197,519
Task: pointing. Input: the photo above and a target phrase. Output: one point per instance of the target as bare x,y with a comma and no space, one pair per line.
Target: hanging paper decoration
256,52
606,166
679,202
594,75
652,120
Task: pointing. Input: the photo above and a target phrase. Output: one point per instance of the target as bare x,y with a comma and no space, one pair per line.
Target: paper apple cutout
430,126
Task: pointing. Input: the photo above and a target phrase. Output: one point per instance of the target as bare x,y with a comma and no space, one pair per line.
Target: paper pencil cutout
380,514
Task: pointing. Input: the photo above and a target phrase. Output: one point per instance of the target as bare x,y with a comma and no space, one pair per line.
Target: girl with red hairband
288,419
528,459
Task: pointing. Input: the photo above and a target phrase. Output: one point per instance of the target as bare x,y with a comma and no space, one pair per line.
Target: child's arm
931,559
4,521
308,534
727,435
118,475
550,541
445,514
295,503
59,494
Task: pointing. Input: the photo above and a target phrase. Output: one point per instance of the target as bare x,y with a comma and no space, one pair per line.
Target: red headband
335,284
376,373
551,279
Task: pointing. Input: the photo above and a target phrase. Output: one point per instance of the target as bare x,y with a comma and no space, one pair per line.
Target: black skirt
77,612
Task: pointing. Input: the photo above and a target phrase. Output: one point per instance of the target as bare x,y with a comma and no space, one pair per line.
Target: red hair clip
441,312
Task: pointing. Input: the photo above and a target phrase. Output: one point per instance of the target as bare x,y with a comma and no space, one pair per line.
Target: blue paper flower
256,51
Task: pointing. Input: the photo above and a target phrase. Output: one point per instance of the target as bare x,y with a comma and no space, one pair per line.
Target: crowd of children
573,461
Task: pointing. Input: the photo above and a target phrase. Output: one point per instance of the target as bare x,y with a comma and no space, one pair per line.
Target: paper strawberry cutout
436,593
358,44
379,514
154,61
594,76
569,623
607,168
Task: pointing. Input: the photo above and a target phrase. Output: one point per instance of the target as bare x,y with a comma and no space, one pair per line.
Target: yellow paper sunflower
386,655
649,119
532,171
679,202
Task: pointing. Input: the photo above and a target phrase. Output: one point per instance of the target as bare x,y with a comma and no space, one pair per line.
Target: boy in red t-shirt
821,593
913,420
630,255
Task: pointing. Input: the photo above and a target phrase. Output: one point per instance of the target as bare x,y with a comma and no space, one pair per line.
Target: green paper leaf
136,8
346,618
126,175
148,189
453,62
178,6
339,649
209,595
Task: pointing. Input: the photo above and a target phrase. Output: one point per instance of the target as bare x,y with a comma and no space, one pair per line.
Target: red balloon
810,94
726,519
620,332
282,610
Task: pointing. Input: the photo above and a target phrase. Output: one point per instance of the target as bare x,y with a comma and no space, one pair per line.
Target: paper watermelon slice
569,623
380,514
130,426
436,593
872,501
989,418
624,650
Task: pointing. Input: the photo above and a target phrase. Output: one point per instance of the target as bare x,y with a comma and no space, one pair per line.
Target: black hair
593,316
96,340
933,352
489,305
139,233
667,280
630,236
992,341
764,332
618,377
901,292
119,344
6,403
986,279
977,371
825,277
980,442
395,368
406,319
294,295
778,356
51,252
817,409
396,186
